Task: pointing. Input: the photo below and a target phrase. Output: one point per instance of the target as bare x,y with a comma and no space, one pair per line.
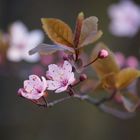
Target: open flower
21,41
60,77
33,88
125,18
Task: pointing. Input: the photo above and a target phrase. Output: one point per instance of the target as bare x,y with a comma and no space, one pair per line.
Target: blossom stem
44,101
91,62
70,90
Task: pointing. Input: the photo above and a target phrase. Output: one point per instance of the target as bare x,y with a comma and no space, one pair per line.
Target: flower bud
65,57
103,54
83,77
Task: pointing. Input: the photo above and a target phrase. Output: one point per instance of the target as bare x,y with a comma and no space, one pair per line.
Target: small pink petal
67,67
61,89
53,85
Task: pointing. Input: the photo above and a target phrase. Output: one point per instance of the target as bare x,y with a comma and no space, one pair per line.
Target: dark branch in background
112,111
98,103
105,99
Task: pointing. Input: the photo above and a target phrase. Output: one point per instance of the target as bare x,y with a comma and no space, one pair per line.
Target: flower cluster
113,79
59,78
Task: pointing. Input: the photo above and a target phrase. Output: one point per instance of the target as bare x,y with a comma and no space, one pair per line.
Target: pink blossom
103,54
60,77
21,41
33,88
125,18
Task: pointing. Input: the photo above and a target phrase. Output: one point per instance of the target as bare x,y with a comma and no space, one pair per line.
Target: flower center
64,82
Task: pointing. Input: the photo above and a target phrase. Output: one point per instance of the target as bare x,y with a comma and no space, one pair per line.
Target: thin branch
112,111
105,99
98,103
58,101
44,101
51,104
91,62
90,99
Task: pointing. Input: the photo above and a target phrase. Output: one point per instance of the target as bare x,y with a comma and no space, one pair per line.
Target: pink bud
65,58
83,77
103,54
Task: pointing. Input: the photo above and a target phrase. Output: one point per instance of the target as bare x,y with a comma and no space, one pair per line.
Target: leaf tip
31,52
81,15
43,20
100,32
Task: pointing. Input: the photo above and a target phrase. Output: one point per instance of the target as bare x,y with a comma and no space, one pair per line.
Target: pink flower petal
61,89
53,85
61,77
34,88
67,67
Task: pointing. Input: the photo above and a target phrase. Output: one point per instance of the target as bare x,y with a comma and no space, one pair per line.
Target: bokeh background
72,120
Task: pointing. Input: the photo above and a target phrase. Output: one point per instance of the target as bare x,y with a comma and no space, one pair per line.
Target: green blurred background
72,120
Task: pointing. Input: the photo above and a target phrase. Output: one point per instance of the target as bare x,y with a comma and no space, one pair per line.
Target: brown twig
91,62
99,103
